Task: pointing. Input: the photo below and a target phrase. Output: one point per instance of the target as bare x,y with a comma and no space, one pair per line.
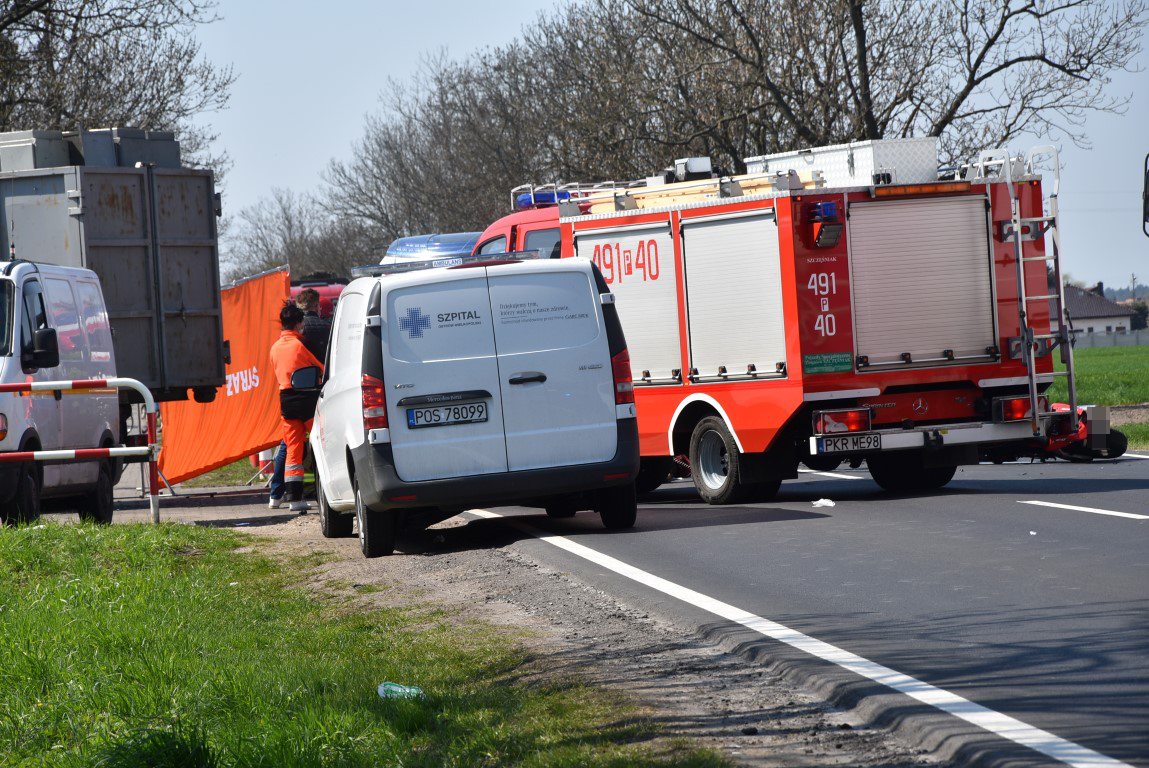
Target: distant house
1092,313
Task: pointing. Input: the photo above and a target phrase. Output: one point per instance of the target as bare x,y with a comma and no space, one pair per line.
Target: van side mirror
45,349
305,378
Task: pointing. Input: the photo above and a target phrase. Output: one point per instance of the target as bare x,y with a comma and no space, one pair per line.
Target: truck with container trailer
119,202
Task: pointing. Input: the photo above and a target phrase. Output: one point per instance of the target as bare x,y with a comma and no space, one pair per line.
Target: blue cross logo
415,323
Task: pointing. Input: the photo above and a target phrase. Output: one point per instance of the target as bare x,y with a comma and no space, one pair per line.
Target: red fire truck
845,303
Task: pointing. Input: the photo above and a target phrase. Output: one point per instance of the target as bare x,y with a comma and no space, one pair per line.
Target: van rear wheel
377,528
332,524
618,506
98,507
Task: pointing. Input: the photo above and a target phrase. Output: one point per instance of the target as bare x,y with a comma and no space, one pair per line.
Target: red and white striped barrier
151,450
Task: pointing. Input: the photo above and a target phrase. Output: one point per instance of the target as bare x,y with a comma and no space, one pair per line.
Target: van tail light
623,384
374,403
3,426
832,422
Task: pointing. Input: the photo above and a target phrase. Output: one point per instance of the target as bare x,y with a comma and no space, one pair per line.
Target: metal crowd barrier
151,450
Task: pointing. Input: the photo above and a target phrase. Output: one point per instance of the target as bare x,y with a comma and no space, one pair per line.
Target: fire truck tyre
377,528
1115,444
764,491
25,504
653,473
617,505
560,507
904,472
715,465
822,463
97,507
332,524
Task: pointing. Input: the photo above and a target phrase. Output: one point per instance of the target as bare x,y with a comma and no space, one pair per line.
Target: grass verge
1138,435
1106,376
142,645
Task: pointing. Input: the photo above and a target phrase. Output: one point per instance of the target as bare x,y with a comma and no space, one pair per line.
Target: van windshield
7,291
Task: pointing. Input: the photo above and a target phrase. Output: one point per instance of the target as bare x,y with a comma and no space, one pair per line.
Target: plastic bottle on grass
397,691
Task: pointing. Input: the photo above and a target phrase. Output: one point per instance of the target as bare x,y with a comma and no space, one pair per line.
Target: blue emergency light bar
477,259
536,199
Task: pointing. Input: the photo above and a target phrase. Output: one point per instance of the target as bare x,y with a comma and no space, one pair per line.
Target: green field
1107,376
164,645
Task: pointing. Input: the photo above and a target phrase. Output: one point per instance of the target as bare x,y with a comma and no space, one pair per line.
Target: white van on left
54,327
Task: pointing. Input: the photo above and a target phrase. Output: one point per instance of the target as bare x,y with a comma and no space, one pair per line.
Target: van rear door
554,364
441,375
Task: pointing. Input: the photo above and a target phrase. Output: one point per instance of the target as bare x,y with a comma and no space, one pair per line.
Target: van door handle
527,377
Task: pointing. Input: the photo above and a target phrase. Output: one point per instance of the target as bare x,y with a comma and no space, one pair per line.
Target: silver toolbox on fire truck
127,210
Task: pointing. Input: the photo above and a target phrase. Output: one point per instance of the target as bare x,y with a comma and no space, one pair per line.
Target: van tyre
904,472
332,524
715,464
377,528
25,504
560,508
617,505
652,473
98,507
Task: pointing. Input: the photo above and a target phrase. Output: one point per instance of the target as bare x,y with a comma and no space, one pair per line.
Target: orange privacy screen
244,418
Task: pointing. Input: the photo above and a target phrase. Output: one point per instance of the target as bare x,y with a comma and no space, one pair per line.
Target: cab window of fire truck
545,241
494,245
33,318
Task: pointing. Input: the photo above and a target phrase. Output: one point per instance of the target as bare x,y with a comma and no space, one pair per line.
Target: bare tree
974,72
92,63
294,230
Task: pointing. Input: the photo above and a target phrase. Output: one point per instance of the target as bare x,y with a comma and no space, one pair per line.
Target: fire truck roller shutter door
734,294
921,279
638,264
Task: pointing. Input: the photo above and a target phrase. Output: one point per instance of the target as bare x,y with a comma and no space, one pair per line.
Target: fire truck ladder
1026,346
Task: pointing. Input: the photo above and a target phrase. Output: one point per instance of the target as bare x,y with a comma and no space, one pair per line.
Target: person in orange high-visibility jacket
296,407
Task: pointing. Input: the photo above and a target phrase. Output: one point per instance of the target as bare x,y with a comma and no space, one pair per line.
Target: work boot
276,503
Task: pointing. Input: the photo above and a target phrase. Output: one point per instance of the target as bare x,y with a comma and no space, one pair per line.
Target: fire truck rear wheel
715,464
904,471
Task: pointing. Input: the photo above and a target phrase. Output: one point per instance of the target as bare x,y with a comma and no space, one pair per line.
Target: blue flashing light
827,210
539,199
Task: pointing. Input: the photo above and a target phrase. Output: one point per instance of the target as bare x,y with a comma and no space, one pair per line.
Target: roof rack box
859,163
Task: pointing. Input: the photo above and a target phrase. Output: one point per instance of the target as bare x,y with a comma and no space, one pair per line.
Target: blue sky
307,79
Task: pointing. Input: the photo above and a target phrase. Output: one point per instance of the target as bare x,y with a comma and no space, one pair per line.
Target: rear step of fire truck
1026,346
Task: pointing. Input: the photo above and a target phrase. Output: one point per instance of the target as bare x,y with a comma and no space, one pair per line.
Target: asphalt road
1030,620
1036,613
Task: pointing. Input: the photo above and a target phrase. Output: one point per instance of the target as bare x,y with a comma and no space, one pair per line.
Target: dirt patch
691,688
1120,415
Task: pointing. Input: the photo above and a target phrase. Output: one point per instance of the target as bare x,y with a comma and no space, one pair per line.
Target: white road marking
1136,456
1087,509
830,474
995,722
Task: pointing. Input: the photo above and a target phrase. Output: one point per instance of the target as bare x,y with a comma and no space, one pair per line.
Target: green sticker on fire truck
832,362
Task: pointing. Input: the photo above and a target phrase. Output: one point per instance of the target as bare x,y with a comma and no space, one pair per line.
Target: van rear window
7,293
